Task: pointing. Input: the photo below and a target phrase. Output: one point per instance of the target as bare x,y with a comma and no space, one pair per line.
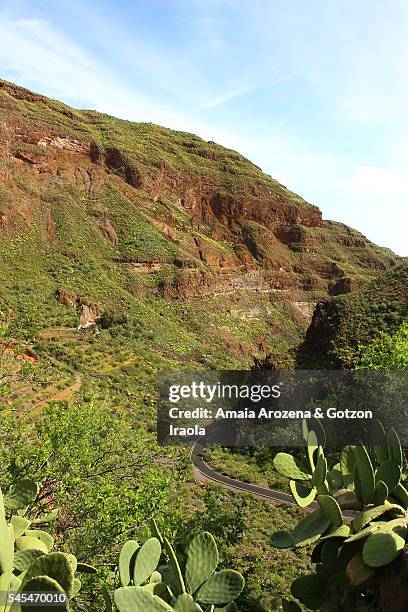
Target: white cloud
380,182
222,99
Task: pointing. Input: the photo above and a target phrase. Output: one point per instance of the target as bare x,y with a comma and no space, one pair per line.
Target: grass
185,190
247,468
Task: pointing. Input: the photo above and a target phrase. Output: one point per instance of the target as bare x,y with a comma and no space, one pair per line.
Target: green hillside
127,249
341,326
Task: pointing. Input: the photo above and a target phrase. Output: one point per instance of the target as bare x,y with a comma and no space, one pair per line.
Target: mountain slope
340,325
186,256
183,246
204,204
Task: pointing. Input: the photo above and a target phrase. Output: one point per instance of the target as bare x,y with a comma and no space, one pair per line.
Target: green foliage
26,561
365,329
109,453
349,556
202,560
182,582
387,351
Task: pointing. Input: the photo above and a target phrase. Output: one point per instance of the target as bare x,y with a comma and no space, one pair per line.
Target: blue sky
314,92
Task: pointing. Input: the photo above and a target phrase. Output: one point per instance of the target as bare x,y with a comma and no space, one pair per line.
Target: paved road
197,459
196,456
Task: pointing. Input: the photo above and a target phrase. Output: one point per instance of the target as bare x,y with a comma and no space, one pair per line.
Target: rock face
90,315
94,192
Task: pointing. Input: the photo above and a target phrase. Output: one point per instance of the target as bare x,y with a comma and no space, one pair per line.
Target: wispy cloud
46,59
227,97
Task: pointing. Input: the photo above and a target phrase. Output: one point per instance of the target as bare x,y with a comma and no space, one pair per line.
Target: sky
316,92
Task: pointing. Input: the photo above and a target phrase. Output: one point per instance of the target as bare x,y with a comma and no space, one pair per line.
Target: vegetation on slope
188,256
343,325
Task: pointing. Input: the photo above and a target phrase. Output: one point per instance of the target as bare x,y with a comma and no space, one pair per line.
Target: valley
127,249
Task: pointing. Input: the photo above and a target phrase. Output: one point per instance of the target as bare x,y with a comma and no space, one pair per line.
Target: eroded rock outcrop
142,194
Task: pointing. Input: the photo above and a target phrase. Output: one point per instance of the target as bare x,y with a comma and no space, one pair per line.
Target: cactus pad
20,525
46,518
319,475
390,473
283,539
394,447
26,543
365,473
379,441
156,588
21,494
335,479
202,560
56,566
185,603
290,467
337,532
310,590
147,559
43,584
221,588
24,558
135,599
365,517
364,533
347,460
380,493
330,509
312,446
7,542
43,536
310,528
401,494
126,561
383,547
302,494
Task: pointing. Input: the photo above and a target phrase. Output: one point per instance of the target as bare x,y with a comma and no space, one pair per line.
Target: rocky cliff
119,213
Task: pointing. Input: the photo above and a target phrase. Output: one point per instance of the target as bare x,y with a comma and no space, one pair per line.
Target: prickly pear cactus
126,561
353,552
311,478
146,560
26,560
202,560
187,584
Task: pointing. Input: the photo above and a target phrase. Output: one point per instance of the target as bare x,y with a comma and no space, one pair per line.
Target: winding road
197,459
